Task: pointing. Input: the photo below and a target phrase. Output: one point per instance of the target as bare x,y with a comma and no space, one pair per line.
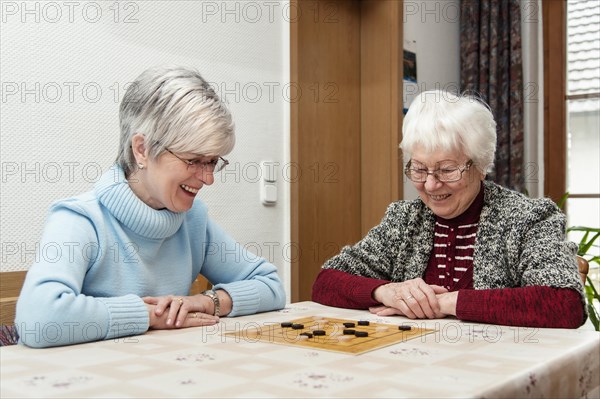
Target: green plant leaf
584,228
586,246
594,317
595,259
590,290
562,200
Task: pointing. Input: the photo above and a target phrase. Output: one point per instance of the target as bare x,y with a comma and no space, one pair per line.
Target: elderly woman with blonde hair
128,251
466,247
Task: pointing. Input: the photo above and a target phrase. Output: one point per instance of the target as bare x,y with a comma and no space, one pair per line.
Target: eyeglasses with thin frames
213,166
445,173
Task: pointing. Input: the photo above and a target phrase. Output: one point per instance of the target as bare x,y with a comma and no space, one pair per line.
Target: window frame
554,31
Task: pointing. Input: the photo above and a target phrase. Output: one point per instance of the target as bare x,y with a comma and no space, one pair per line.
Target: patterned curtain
491,66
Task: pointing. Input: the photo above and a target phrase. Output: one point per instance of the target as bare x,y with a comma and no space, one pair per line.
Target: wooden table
458,360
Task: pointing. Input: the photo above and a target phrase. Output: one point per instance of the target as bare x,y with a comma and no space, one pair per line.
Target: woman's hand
448,302
180,311
414,299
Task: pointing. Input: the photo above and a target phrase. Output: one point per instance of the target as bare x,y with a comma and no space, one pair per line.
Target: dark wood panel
381,108
555,139
325,135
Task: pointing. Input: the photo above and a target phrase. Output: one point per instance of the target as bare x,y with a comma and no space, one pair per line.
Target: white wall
64,68
432,28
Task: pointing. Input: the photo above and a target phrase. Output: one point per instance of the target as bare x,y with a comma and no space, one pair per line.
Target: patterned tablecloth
459,360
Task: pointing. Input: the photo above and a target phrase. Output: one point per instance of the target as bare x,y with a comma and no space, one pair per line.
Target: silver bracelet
215,298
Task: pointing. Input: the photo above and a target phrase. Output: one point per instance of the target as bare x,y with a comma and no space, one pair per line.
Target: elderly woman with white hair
466,247
125,254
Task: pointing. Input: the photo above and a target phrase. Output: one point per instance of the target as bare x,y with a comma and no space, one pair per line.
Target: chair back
199,285
584,267
10,288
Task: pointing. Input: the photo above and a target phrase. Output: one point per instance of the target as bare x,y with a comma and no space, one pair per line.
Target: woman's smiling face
446,199
167,181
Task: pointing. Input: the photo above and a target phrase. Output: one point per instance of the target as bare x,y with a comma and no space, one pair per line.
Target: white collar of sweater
114,193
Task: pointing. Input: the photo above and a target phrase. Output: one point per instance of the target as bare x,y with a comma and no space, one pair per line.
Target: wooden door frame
380,120
555,113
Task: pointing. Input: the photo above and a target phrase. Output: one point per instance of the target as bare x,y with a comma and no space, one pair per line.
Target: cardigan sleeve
344,290
521,242
522,256
544,307
546,257
374,255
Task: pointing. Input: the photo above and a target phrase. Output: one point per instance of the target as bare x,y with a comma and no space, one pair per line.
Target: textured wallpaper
64,68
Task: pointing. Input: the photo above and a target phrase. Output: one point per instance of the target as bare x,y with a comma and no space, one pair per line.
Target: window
583,115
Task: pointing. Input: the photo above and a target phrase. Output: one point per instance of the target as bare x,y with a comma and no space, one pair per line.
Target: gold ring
409,297
180,301
195,315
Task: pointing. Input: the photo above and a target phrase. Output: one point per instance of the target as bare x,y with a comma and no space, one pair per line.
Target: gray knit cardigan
520,242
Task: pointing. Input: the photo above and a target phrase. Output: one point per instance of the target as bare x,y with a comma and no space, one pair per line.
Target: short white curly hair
440,120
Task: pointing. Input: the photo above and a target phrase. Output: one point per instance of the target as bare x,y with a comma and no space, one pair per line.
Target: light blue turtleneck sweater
103,250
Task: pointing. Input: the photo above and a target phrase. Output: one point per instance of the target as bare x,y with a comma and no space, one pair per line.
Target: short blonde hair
440,120
175,109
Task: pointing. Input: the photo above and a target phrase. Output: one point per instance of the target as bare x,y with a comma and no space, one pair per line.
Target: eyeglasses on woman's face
445,171
194,165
